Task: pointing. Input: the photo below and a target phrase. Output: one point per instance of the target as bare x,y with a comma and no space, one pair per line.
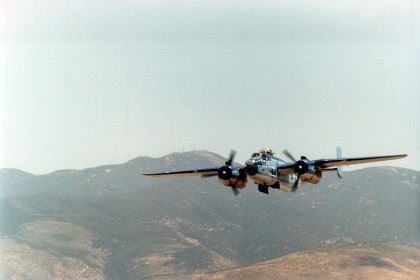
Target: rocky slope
379,261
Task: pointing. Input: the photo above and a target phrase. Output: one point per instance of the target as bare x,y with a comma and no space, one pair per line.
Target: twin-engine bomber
267,170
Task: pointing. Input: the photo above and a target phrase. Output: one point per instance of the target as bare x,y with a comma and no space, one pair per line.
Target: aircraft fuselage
262,169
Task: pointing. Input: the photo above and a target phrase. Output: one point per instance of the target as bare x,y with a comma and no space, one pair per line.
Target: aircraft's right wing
187,173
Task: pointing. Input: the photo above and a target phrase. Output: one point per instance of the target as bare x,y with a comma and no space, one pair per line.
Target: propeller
231,157
225,172
229,163
235,190
290,156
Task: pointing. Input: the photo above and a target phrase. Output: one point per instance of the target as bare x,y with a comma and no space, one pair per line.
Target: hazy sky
87,83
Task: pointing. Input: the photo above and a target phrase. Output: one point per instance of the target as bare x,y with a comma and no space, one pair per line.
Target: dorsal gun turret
268,151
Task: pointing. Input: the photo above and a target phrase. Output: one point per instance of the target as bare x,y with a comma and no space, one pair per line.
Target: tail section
339,168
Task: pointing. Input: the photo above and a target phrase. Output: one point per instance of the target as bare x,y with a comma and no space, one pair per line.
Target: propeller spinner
301,167
225,172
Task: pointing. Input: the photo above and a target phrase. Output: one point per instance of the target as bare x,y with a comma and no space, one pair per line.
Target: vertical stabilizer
339,168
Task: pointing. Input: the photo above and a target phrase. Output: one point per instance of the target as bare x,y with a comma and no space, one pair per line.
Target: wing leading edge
326,163
186,173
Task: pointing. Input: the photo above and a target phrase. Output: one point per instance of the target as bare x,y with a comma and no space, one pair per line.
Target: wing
323,164
286,169
326,163
187,173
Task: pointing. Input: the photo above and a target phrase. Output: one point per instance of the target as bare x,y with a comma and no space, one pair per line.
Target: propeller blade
231,157
289,155
235,191
295,185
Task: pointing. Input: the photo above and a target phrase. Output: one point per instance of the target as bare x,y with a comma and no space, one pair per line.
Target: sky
88,83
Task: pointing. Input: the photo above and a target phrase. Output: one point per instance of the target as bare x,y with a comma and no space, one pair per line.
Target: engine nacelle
231,176
307,171
302,166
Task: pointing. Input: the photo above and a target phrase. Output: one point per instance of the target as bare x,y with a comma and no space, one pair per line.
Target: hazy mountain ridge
9,176
181,226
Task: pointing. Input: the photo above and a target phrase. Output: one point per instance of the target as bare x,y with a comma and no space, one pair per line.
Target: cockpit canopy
265,154
266,151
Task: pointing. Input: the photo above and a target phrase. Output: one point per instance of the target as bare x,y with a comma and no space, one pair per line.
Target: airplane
269,171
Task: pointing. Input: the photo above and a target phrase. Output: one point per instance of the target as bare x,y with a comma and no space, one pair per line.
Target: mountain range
111,222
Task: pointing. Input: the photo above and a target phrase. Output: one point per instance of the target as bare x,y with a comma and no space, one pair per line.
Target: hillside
379,261
112,222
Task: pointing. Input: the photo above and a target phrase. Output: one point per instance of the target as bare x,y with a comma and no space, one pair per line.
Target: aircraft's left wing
286,169
187,173
326,163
